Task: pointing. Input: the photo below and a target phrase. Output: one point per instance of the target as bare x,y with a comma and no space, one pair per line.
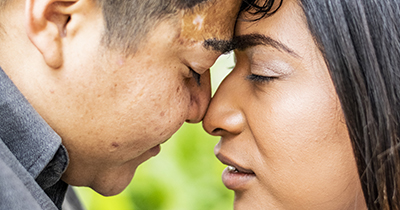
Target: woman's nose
200,95
224,114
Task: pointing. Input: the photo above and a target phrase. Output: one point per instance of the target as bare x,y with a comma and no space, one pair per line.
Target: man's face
113,111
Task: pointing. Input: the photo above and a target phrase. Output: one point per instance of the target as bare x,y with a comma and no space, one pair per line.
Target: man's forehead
212,19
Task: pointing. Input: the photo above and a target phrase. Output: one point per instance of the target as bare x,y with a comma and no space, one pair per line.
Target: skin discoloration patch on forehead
213,19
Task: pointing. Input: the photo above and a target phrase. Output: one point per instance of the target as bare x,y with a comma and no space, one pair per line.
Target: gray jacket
32,158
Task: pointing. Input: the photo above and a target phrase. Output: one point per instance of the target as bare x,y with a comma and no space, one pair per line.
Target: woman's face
283,133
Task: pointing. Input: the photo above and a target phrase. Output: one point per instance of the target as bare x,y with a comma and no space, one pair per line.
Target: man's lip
227,161
155,150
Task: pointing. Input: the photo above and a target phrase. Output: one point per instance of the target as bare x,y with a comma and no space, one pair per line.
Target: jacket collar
24,131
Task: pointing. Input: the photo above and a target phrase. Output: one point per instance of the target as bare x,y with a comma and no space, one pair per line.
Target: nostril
216,131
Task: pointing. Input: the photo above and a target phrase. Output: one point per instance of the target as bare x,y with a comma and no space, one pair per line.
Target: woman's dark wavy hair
360,41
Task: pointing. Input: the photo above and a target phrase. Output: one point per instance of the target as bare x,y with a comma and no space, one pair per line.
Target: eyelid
265,60
260,72
195,75
198,67
260,79
263,70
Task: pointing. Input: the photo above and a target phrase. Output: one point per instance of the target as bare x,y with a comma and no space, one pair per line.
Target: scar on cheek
162,114
115,145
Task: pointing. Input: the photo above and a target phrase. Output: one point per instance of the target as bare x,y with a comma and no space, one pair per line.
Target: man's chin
111,192
112,187
108,181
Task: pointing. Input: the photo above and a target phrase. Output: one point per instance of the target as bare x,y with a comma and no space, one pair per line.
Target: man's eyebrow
250,40
222,46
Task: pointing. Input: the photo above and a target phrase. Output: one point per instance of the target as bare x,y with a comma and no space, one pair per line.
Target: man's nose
200,96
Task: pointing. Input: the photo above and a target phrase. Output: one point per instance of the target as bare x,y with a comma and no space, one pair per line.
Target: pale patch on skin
211,20
198,21
207,21
121,61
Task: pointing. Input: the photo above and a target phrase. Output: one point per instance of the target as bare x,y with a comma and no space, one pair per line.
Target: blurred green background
184,176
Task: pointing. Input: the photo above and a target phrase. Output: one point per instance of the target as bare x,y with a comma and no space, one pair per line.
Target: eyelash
260,79
195,75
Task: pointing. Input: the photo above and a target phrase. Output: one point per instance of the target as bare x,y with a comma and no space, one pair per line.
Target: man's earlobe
46,22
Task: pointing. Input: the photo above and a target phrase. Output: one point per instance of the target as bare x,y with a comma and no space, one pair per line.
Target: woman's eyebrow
250,40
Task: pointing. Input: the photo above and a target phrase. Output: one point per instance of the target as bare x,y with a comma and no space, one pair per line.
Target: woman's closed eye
260,79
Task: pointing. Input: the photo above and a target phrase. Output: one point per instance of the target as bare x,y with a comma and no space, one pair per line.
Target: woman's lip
229,162
236,180
235,177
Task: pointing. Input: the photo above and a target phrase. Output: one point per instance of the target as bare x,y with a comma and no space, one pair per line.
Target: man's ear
46,22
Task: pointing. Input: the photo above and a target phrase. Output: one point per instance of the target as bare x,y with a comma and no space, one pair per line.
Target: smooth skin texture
278,116
111,110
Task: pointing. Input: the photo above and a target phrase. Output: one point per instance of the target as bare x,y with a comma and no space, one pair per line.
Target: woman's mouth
234,176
